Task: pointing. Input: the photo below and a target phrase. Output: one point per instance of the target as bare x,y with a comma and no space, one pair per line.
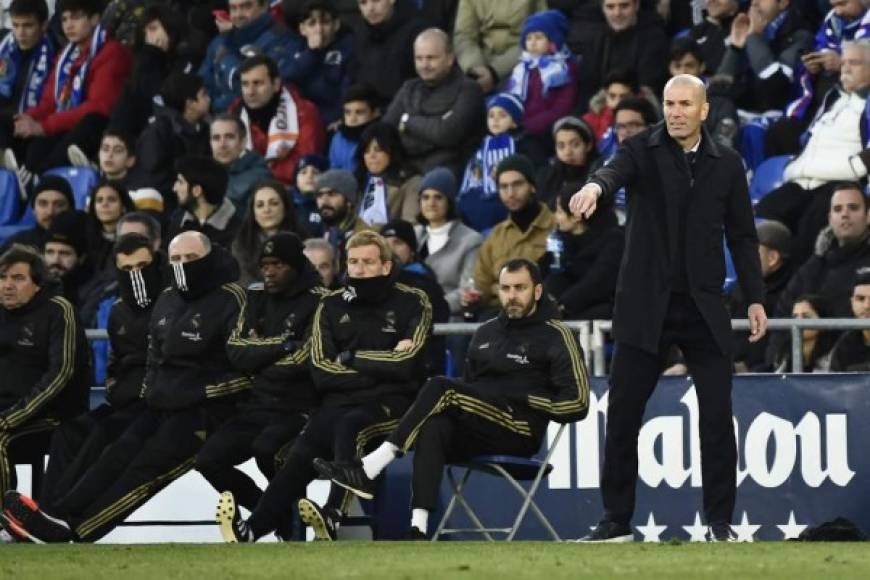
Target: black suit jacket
653,169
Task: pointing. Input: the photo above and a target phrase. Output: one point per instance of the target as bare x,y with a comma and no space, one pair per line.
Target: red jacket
542,112
103,84
312,137
600,122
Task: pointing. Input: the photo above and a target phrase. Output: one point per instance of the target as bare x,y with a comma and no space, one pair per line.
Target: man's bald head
685,107
433,55
688,81
188,247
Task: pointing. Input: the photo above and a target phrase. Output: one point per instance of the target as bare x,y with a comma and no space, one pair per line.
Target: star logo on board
651,531
792,529
697,531
745,531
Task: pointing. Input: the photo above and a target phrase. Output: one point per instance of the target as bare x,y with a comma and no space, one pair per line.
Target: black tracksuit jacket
128,337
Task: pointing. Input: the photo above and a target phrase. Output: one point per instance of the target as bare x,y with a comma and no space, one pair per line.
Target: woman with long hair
108,201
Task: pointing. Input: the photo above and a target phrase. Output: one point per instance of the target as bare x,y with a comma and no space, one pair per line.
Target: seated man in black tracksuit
367,344
44,370
78,443
270,342
190,389
523,370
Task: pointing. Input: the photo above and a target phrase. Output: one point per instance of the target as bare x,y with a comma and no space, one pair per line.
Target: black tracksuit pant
26,443
338,433
155,450
450,422
633,378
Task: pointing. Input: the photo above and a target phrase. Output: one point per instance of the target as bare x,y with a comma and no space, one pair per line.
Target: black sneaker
233,528
24,520
324,521
609,532
349,475
720,533
416,535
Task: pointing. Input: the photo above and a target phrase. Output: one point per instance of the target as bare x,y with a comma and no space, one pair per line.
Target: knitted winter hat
517,162
512,105
551,22
440,179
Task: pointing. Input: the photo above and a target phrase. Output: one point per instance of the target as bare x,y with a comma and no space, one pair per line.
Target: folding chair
513,470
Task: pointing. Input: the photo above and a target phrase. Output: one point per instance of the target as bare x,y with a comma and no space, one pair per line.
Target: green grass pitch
406,560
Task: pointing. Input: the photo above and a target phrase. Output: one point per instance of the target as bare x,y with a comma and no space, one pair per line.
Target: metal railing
592,334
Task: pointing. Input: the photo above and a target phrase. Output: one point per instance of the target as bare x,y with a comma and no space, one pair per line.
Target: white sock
420,519
375,462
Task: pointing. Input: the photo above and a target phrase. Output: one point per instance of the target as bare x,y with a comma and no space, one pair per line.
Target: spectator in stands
816,344
389,189
52,196
487,38
630,39
245,167
190,387
835,151
582,259
270,343
360,109
337,195
305,192
851,353
321,69
282,126
840,252
144,224
201,185
159,32
522,235
116,155
544,79
252,31
177,129
322,258
66,255
710,34
575,153
270,211
764,49
44,361
107,203
478,200
386,37
83,86
79,442
618,85
366,361
123,17
439,114
452,420
448,246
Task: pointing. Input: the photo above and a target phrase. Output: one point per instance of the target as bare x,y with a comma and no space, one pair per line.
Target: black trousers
77,444
253,433
39,154
155,450
27,443
451,422
339,433
633,378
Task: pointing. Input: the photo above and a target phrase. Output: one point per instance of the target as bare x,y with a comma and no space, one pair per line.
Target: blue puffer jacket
323,75
220,68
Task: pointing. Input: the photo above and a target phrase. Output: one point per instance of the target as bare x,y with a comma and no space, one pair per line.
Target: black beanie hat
287,247
517,162
206,173
402,230
54,183
69,228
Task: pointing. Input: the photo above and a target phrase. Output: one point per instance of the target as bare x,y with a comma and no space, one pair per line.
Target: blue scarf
553,69
69,92
10,65
480,171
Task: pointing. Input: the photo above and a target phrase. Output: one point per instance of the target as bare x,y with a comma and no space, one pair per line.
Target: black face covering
193,279
367,290
140,288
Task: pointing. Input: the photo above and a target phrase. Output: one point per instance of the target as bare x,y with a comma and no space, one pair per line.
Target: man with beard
51,197
190,388
270,343
78,443
337,194
367,344
524,369
203,206
65,254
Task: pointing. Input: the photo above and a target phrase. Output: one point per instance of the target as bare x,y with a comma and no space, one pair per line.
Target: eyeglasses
629,125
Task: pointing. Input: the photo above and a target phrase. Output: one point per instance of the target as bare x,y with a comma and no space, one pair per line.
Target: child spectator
478,199
305,192
360,108
618,85
545,78
116,155
389,192
575,152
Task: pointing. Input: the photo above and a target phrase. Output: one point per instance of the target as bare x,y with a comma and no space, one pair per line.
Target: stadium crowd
267,204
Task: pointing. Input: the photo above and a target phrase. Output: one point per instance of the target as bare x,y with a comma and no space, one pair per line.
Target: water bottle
556,249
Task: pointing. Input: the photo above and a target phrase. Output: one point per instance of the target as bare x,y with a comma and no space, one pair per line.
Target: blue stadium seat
767,176
10,198
730,272
26,221
82,180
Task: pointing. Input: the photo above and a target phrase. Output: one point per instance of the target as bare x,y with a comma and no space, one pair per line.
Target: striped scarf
38,71
553,69
69,83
